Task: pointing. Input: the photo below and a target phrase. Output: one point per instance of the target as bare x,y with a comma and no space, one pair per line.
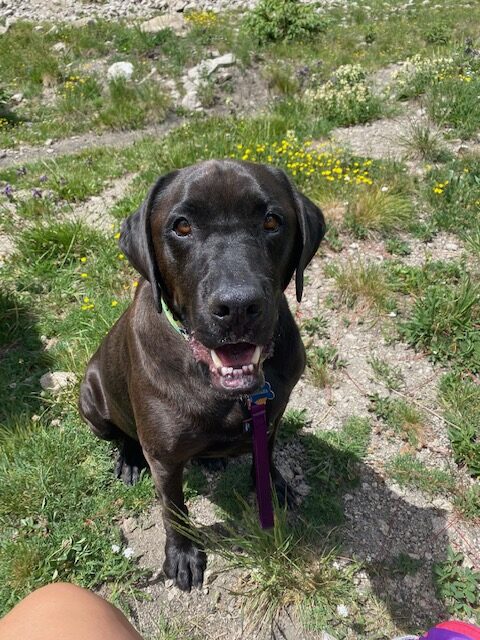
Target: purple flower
43,178
8,191
36,193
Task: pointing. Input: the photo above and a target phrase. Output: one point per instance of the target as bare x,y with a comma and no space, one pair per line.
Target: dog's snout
236,307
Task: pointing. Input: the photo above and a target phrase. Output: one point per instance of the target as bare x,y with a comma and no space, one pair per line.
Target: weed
282,80
378,210
278,567
316,326
391,376
346,98
467,501
398,415
408,471
362,282
321,362
412,280
453,103
421,142
437,33
453,193
277,20
398,247
460,397
458,586
444,322
292,422
333,238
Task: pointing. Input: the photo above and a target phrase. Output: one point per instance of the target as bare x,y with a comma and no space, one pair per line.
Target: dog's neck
177,325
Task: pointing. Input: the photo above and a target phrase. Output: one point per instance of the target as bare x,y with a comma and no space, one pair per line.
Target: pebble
57,380
120,70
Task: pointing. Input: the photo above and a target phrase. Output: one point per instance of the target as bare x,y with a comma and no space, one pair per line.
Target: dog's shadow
22,360
396,540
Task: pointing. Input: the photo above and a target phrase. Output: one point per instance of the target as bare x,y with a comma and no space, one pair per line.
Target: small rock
451,246
120,70
59,47
326,636
172,594
3,30
171,21
129,525
17,97
57,380
48,142
168,583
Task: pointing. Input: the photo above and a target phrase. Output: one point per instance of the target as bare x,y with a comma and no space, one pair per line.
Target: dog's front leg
184,561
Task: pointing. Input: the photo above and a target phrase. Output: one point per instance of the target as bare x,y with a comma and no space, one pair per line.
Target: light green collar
175,324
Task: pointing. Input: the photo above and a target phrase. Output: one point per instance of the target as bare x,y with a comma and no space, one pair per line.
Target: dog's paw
184,565
130,462
212,464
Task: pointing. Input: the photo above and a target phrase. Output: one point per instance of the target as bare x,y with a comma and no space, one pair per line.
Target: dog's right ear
136,239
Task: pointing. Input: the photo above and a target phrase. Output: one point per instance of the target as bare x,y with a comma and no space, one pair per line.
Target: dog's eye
271,222
182,227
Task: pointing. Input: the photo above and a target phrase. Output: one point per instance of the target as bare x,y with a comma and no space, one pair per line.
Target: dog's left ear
136,239
312,229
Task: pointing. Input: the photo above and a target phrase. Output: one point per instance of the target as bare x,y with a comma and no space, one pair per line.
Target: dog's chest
228,433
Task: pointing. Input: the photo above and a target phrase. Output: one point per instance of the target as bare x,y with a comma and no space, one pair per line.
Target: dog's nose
236,307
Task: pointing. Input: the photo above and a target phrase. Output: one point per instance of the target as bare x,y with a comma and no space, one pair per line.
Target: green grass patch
408,471
453,193
322,362
59,525
444,323
386,373
399,416
362,283
460,397
413,280
458,586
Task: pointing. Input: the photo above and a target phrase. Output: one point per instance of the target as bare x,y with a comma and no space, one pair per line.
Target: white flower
128,552
115,548
342,611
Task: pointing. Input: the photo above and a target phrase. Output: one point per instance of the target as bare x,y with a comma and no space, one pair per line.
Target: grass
57,525
362,283
376,209
444,323
460,396
322,361
60,521
389,375
421,142
401,417
408,471
458,586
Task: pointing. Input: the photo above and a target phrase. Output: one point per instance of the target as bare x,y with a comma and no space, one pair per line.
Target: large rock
55,381
120,71
173,21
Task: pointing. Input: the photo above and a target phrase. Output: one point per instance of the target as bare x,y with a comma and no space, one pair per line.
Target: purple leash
258,410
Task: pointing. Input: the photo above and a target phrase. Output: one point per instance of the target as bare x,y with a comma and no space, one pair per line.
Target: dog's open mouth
235,367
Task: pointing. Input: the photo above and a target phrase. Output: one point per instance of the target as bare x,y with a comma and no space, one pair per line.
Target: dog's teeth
216,360
256,355
251,368
245,368
224,371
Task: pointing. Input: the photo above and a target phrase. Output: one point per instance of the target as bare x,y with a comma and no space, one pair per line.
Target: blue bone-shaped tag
265,393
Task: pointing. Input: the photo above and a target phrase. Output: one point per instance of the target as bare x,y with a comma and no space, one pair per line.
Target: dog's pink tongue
236,355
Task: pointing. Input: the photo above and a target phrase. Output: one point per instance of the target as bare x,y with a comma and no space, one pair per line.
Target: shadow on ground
22,361
396,542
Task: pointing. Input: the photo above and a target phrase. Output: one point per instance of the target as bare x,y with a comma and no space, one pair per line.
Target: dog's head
219,242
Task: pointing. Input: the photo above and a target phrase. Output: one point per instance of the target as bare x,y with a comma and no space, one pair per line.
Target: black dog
218,243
